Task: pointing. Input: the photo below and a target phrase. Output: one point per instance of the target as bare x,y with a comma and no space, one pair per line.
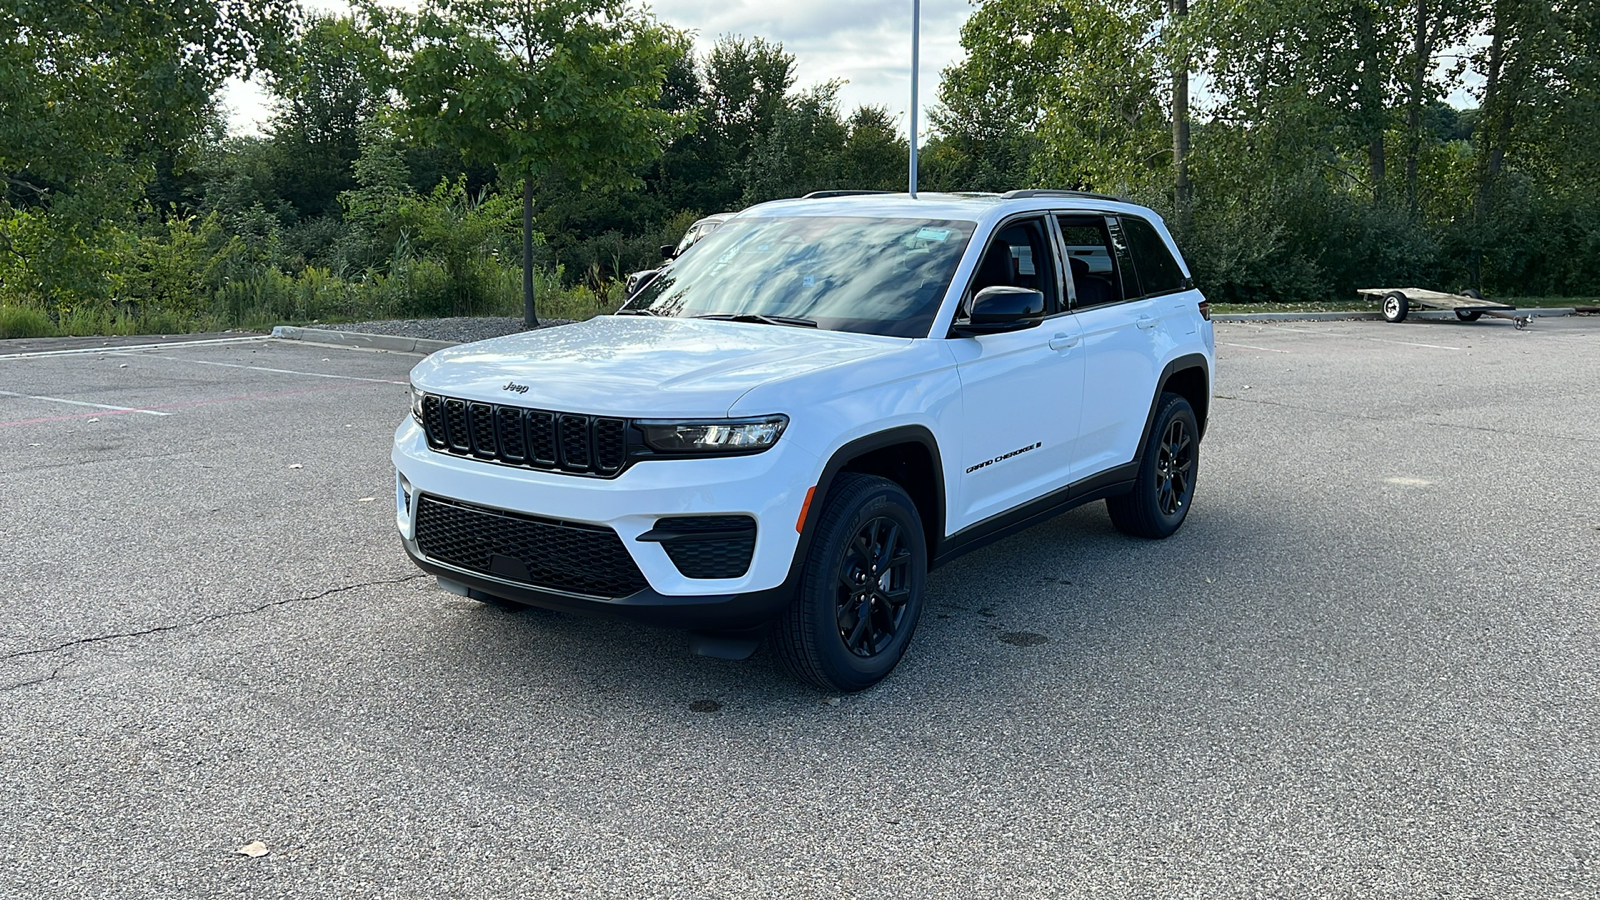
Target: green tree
874,154
801,151
325,88
535,86
95,98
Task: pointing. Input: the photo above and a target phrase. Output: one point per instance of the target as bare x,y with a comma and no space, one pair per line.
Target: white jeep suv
808,410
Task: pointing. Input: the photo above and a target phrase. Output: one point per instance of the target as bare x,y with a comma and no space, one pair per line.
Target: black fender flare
1180,364
848,452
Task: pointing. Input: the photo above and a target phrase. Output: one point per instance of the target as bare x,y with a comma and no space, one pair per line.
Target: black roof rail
822,195
1046,192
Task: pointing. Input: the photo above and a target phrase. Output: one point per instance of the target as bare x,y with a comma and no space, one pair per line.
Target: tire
1468,315
823,637
1164,488
1395,307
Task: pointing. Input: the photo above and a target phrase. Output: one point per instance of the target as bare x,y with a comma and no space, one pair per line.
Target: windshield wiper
638,312
760,319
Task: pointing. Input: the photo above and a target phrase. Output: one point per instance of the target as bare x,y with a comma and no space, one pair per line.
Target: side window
1130,273
1158,271
1019,256
1093,261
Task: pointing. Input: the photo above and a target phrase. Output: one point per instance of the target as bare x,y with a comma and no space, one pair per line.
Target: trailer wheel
1395,307
1469,315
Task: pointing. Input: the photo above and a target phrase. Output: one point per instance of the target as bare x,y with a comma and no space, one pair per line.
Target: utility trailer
1468,304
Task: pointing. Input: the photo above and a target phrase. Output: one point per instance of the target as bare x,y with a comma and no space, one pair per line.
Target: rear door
1123,340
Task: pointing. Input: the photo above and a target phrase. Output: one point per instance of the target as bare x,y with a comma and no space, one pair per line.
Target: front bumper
769,487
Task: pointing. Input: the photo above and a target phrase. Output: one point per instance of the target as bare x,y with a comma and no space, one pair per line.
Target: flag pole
916,24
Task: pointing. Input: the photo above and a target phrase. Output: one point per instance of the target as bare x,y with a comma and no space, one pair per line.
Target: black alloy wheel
1175,468
874,587
861,589
1169,466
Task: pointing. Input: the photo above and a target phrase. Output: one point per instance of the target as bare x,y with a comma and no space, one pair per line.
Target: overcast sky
866,42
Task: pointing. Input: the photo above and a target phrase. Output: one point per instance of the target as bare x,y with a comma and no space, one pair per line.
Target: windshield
874,276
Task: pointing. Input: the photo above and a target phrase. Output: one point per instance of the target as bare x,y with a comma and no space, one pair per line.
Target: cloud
865,42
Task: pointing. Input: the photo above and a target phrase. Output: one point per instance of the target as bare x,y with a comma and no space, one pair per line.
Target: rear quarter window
1158,271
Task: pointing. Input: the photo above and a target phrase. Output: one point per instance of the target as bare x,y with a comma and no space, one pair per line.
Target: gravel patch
461,329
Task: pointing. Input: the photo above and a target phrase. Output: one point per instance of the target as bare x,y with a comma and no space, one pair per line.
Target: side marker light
800,524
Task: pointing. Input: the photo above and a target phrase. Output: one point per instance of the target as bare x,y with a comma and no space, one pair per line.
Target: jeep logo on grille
513,386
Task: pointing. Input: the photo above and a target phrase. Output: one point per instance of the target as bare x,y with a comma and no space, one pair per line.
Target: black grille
513,439
456,434
574,442
484,444
610,444
545,553
542,438
433,421
724,551
586,445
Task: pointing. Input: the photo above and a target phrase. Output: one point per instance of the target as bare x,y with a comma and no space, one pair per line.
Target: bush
23,322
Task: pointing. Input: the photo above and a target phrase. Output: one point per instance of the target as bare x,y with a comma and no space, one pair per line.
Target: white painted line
168,345
1248,347
148,412
212,362
1413,344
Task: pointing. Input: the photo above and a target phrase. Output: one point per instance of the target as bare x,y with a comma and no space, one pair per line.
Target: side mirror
1003,308
668,251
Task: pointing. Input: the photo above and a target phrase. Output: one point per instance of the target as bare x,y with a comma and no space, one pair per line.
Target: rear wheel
861,590
1395,306
1468,315
1164,487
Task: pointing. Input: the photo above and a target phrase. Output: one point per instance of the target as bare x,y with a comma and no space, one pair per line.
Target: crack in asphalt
54,674
1345,414
178,626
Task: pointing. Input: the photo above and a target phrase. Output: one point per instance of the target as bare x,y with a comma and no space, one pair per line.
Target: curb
1356,314
360,339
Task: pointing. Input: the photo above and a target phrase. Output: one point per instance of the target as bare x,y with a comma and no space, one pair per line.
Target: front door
1021,392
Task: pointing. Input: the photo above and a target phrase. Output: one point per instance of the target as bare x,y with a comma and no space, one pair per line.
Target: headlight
416,403
713,436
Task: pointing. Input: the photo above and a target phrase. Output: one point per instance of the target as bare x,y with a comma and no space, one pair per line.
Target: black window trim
1052,244
1117,266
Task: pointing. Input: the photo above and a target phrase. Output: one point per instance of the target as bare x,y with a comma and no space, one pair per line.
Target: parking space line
184,404
148,412
212,362
1413,344
1248,347
79,351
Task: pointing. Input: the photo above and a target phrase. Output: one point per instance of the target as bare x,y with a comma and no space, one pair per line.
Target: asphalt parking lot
1369,665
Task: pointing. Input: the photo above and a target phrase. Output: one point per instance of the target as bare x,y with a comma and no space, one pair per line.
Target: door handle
1145,322
1063,342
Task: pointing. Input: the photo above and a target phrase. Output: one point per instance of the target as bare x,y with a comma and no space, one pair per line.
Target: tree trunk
1489,153
529,317
1422,56
1179,10
1371,103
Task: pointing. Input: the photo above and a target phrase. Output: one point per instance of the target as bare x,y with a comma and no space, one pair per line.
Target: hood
640,365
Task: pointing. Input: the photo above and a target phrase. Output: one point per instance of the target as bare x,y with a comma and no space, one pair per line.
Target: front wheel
1164,487
861,590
